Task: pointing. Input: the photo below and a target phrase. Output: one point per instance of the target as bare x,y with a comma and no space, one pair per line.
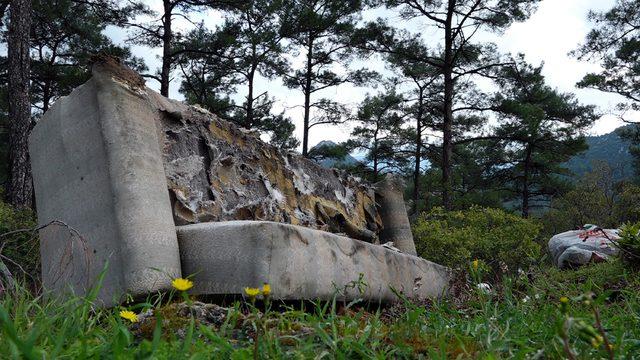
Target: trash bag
580,247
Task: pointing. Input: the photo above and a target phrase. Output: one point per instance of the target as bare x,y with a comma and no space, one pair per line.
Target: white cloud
557,28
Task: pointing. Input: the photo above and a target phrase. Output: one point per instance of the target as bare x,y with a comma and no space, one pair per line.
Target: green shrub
598,198
494,236
20,251
630,244
626,208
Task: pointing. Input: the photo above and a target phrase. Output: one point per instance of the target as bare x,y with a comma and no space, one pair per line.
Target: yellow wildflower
476,263
251,292
564,304
596,341
266,289
182,284
129,315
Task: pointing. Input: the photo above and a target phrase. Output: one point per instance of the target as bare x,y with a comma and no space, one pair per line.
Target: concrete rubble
301,263
219,172
159,189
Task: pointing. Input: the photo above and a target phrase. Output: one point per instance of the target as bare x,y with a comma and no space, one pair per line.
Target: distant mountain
328,154
609,148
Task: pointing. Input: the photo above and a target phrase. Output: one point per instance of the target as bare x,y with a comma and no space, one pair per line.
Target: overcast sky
548,36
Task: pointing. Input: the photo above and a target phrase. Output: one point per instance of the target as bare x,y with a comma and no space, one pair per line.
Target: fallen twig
65,260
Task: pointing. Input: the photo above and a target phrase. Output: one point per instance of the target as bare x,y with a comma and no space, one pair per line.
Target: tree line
457,142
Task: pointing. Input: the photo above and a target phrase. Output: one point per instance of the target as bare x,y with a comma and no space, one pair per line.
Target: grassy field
522,317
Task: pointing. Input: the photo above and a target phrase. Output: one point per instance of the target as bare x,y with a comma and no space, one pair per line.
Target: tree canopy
541,129
465,123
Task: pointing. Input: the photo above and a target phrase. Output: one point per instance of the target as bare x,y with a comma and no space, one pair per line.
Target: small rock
484,288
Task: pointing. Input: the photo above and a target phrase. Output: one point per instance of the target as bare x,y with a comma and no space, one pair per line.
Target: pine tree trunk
20,189
447,124
167,37
418,154
46,96
375,153
525,184
307,98
248,123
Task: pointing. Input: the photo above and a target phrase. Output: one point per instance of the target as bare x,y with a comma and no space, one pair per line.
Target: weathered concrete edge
300,263
123,213
397,228
142,205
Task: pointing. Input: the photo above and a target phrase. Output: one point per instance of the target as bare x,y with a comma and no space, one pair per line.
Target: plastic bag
580,247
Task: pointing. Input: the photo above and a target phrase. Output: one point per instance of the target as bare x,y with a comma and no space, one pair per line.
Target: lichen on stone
218,172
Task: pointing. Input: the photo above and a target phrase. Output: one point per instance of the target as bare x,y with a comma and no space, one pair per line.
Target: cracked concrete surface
218,172
301,263
124,165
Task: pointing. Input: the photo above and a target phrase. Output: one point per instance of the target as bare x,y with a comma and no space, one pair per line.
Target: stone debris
218,172
591,244
239,325
484,288
389,245
176,318
157,188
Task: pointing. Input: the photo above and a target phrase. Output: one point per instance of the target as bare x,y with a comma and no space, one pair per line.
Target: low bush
629,244
598,198
504,241
18,251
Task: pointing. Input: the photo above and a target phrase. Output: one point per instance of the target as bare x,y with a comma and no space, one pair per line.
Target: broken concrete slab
395,221
219,172
97,167
300,263
120,163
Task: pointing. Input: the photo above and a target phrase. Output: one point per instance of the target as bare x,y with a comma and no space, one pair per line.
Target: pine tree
322,30
258,48
207,76
277,126
4,132
65,35
248,45
615,44
20,191
379,120
456,57
161,33
424,87
540,130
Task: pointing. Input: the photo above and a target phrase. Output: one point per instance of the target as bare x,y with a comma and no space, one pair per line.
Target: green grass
518,321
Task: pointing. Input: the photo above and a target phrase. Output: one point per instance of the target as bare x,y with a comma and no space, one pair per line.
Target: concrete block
299,263
119,163
395,221
217,171
97,166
